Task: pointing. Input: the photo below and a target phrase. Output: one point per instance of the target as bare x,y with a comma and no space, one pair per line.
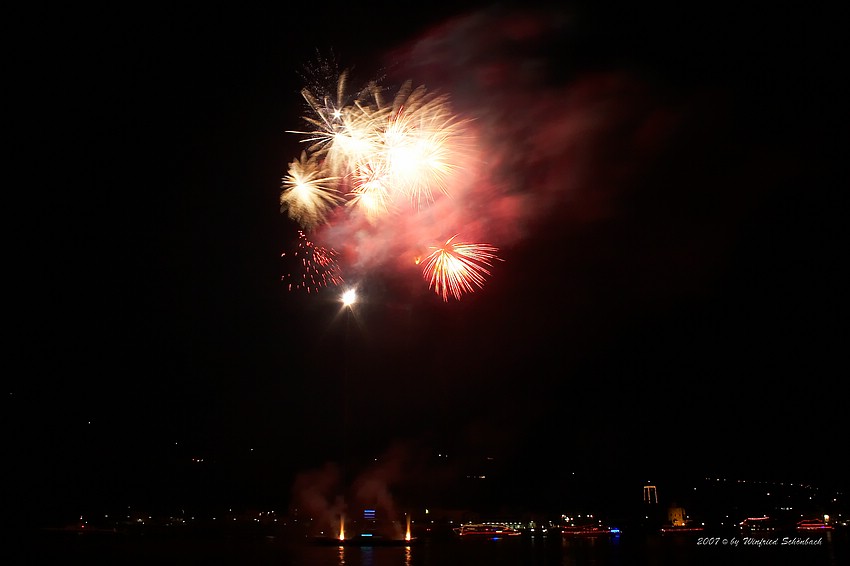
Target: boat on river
486,531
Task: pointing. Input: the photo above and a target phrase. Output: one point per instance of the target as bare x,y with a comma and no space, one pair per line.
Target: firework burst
385,155
372,190
456,268
308,196
417,144
311,267
380,157
342,134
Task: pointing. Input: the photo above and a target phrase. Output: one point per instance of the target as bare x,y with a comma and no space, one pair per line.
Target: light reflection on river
648,550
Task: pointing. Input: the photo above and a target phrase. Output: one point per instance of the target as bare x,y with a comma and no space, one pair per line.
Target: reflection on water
650,550
368,557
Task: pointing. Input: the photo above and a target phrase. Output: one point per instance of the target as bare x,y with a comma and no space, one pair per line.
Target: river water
643,549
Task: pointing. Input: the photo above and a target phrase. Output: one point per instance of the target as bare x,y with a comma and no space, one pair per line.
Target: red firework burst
311,267
456,268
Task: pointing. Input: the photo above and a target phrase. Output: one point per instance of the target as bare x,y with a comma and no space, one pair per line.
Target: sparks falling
311,267
456,268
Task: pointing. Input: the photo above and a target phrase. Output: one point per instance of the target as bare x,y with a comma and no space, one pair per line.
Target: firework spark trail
315,267
455,268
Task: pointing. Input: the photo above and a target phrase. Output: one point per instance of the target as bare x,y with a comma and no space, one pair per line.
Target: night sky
664,192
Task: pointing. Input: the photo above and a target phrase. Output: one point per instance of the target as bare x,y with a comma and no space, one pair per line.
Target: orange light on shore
341,527
407,532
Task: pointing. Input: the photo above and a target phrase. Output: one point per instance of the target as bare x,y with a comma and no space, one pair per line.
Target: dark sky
664,194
